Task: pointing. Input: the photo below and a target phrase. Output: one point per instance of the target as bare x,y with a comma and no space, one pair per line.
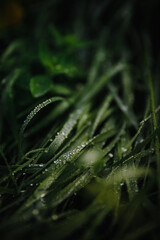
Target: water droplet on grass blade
36,110
43,195
124,149
110,155
41,165
122,184
22,191
65,131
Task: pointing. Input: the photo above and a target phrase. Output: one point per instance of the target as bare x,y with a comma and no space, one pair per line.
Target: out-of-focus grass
79,126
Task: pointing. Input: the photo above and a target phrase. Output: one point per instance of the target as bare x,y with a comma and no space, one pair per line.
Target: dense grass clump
79,120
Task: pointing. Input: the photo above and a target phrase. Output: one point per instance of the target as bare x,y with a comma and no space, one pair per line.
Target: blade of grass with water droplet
36,110
127,112
32,114
65,131
73,142
71,188
109,147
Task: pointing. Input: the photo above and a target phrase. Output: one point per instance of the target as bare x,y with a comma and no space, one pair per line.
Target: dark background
93,18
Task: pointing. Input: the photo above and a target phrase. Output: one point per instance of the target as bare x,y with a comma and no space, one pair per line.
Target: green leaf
45,55
39,85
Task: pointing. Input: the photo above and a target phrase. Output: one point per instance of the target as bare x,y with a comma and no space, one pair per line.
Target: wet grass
79,126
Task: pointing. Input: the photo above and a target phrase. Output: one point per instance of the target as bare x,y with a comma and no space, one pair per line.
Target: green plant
84,163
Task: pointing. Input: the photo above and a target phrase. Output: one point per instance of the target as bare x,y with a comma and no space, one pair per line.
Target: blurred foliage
79,119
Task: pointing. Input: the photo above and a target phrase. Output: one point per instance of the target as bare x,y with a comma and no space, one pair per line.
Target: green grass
79,126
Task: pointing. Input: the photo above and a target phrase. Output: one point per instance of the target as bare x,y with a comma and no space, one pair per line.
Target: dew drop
42,195
124,149
110,155
22,191
122,184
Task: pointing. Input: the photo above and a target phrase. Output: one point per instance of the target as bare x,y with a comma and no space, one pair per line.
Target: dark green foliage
79,126
39,85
